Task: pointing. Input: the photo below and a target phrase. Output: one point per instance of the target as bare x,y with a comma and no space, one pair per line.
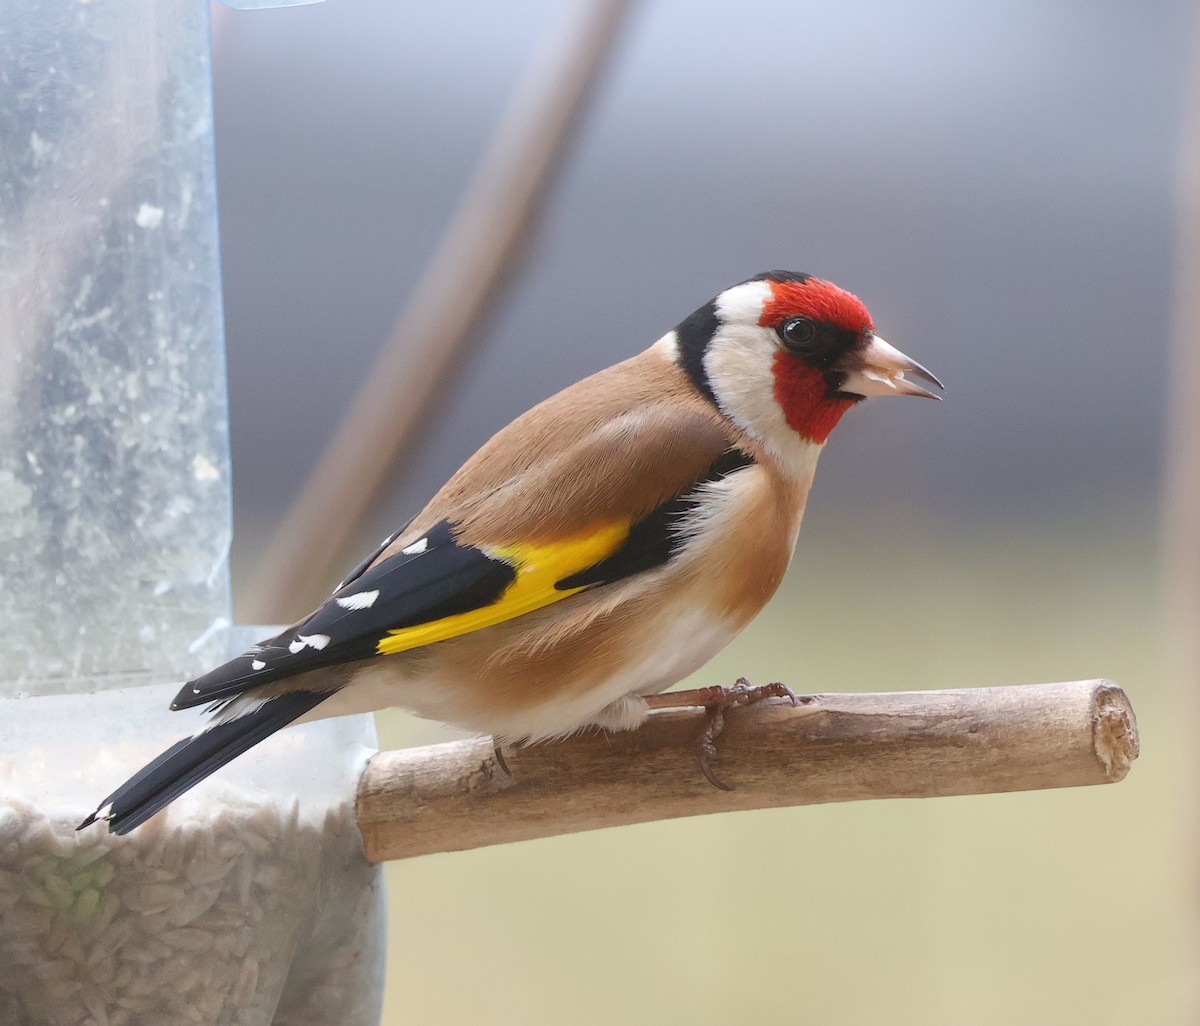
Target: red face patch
800,389
820,300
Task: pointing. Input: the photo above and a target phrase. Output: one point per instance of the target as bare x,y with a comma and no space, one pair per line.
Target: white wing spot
296,646
360,600
257,664
317,641
417,547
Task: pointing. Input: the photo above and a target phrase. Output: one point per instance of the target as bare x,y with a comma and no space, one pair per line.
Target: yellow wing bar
538,568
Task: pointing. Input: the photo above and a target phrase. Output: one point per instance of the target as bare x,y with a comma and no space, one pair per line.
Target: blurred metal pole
1182,484
481,248
1181,534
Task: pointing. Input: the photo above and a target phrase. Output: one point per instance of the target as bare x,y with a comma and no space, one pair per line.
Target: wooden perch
830,748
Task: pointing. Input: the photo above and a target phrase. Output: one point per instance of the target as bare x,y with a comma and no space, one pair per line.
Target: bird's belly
539,694
670,653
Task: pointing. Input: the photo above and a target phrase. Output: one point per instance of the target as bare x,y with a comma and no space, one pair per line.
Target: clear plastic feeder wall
248,900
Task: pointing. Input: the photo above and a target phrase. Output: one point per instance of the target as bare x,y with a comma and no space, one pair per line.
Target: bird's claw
498,752
716,700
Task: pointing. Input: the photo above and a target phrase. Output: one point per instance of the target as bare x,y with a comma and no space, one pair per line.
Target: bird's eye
797,333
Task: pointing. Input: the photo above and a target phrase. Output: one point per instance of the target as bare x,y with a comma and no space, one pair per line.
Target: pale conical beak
880,370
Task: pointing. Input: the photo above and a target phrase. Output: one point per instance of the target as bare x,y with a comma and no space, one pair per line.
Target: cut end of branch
1114,730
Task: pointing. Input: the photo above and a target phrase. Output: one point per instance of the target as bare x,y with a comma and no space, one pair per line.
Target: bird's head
784,355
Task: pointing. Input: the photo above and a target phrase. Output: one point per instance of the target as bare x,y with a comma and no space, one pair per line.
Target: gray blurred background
996,181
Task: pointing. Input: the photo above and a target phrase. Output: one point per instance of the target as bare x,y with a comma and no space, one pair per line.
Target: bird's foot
715,700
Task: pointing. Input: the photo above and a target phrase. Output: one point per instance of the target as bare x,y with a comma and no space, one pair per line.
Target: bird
594,552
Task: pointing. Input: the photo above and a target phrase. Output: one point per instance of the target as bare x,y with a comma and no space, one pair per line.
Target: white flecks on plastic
39,146
148,216
359,600
219,624
417,547
203,469
114,375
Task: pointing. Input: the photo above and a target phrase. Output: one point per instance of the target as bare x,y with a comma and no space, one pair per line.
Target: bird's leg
715,700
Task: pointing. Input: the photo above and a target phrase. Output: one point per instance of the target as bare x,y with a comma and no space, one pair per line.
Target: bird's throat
801,393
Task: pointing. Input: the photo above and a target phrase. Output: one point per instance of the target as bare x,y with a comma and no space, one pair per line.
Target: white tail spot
417,547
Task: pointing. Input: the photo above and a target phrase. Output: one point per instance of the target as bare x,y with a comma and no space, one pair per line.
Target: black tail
185,764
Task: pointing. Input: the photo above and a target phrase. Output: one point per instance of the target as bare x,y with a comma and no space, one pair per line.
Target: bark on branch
830,748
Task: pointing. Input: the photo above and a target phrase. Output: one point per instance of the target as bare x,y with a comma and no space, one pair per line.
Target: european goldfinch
594,552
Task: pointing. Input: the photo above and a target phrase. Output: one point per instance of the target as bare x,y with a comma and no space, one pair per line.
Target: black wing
432,578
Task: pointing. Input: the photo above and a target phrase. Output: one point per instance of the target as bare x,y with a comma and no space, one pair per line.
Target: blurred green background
1073,906
999,184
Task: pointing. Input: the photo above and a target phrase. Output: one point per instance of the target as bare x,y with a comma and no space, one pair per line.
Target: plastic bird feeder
249,900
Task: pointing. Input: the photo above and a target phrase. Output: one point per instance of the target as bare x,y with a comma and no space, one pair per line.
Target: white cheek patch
740,364
740,368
